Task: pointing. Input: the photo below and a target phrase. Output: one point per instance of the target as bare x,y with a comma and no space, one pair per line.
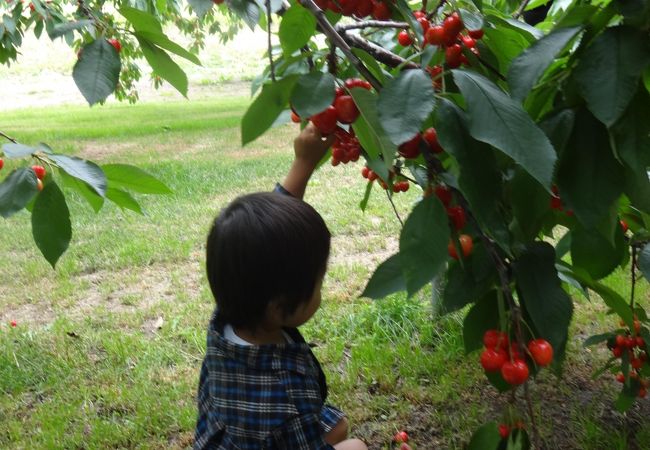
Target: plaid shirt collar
296,356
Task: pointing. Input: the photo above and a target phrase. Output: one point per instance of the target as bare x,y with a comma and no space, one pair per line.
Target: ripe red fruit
642,392
32,8
495,338
637,326
13,324
504,431
445,195
295,118
115,43
335,162
630,342
620,377
39,171
468,41
39,185
492,359
620,340
2,163
424,23
636,363
346,109
542,352
453,24
325,121
419,14
364,8
431,137
640,342
466,245
380,11
401,436
410,149
476,34
348,7
217,2
515,372
357,82
404,38
365,171
457,216
617,351
435,35
453,56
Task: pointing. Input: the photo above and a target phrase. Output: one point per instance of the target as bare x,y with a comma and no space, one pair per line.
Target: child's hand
310,146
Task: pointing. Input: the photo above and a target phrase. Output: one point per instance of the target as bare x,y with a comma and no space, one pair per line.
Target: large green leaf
589,177
386,280
529,66
485,438
123,199
164,42
498,120
558,126
609,71
51,226
248,10
593,252
541,294
163,65
266,108
405,103
141,20
16,191
423,243
97,71
313,93
530,203
298,25
505,44
644,261
133,178
483,316
480,179
17,150
95,201
84,170
468,282
61,29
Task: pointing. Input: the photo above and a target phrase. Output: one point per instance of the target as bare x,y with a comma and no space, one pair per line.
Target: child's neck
262,335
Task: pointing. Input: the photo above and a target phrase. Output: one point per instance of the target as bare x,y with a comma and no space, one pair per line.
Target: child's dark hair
264,247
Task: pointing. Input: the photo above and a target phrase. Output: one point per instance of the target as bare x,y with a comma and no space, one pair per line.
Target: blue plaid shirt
269,397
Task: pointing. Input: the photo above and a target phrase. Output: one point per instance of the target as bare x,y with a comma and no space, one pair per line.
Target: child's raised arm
309,147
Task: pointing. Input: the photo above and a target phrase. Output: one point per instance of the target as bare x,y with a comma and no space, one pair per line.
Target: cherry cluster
505,429
556,201
411,148
360,8
346,147
401,185
500,355
39,171
632,346
458,219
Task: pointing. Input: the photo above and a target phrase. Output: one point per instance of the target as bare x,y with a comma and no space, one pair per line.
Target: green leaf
644,261
298,25
201,7
163,41
386,280
405,103
480,179
17,150
529,66
94,200
483,316
141,20
597,339
265,108
540,290
593,252
469,282
51,226
247,10
530,203
62,28
423,243
163,65
506,44
609,71
366,196
371,64
313,93
485,438
123,199
97,71
498,120
624,401
84,170
16,191
590,191
133,178
558,127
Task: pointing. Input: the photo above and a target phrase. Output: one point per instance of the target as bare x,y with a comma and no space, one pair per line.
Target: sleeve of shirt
281,190
301,432
329,417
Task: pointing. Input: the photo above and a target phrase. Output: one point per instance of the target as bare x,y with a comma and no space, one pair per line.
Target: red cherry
32,8
380,11
466,245
348,7
115,43
419,14
435,35
640,342
515,372
514,351
468,41
2,163
636,363
372,176
365,171
364,8
453,56
335,162
495,338
620,377
346,109
404,38
542,352
410,149
617,351
424,23
620,340
39,171
476,34
642,392
325,121
295,118
431,137
401,436
445,195
630,342
13,324
357,82
457,216
504,431
453,24
492,359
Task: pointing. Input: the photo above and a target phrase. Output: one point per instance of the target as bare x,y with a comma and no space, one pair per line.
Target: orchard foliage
531,145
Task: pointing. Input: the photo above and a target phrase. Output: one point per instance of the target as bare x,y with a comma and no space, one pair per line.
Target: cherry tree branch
379,53
8,137
371,24
435,10
520,9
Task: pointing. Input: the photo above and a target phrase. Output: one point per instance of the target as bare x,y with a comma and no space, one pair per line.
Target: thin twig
329,31
331,60
310,60
379,53
372,24
8,138
390,199
521,9
531,414
268,34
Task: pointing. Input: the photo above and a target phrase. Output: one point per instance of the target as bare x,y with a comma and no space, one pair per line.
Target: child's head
266,249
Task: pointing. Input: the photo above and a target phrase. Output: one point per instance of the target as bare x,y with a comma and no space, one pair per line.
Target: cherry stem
268,35
520,9
8,137
390,199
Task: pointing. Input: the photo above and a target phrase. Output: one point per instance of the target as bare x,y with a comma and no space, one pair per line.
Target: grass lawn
108,347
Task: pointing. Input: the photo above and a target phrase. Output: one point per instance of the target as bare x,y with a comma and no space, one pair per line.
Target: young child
261,387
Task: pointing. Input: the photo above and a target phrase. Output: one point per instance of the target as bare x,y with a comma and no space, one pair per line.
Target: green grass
88,367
